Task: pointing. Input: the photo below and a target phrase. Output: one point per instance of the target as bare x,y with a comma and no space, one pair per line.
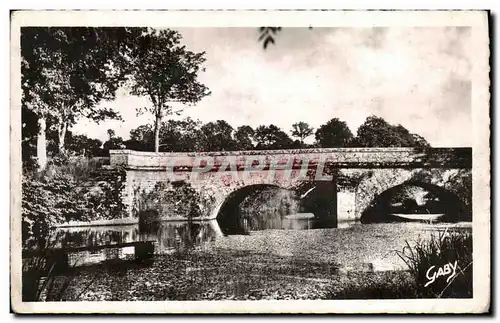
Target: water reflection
243,224
168,236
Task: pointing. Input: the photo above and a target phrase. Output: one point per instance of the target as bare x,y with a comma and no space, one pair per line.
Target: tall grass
48,278
79,168
444,248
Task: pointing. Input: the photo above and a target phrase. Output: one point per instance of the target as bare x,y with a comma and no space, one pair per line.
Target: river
172,236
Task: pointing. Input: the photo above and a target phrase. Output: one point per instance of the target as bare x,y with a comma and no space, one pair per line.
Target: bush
71,192
438,251
47,202
172,199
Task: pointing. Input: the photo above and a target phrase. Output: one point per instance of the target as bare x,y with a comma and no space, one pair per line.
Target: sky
417,77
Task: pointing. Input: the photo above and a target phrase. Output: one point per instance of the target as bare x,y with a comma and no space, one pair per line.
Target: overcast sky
417,77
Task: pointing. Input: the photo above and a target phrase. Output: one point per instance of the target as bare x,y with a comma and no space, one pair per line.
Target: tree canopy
334,133
301,130
67,71
376,132
165,71
272,137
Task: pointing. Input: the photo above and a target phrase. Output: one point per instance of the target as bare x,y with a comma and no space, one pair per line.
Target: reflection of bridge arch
449,204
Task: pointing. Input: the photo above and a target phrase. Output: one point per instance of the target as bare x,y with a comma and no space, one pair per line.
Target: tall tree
376,132
164,71
218,136
272,137
67,71
243,137
181,135
301,130
141,138
334,133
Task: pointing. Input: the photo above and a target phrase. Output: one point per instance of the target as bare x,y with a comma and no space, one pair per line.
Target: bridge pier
346,205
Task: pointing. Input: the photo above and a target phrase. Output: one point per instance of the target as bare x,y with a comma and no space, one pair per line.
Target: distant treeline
193,135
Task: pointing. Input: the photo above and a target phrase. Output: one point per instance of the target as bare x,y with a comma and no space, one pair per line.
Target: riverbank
234,276
355,262
121,222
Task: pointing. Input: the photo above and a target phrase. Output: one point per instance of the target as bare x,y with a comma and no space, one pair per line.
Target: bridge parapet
295,158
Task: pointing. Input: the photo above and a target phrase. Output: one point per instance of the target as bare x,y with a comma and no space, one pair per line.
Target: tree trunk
41,144
157,132
63,126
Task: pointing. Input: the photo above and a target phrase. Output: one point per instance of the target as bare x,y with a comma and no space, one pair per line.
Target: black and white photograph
320,162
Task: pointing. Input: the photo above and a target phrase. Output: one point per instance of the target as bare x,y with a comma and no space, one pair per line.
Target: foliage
103,199
29,131
217,136
272,137
192,135
141,138
439,250
81,145
376,132
113,143
74,191
164,71
351,181
267,35
75,145
243,137
68,71
172,199
182,135
334,133
301,130
47,202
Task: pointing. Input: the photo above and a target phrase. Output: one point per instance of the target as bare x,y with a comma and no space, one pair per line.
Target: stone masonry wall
362,172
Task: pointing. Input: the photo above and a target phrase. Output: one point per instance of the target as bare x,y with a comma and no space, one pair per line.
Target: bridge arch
226,210
445,201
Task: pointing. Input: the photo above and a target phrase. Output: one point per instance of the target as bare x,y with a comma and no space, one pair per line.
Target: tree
272,137
164,71
111,133
113,143
301,130
181,135
243,137
376,132
334,133
66,72
141,138
217,136
83,146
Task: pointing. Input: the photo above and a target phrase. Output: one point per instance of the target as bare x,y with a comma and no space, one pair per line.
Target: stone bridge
342,182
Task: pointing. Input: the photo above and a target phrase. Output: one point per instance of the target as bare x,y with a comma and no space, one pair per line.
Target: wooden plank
35,253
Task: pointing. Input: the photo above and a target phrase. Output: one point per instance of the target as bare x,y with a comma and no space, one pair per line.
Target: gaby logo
432,273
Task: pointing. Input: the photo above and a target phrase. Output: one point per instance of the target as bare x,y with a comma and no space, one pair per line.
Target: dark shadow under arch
228,217
319,201
449,204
